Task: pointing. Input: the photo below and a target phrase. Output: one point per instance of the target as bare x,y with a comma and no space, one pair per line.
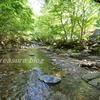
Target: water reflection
19,82
15,79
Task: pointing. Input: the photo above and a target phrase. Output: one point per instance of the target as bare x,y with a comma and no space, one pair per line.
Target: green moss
96,51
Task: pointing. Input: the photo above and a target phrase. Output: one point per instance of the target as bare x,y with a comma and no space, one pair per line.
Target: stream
19,72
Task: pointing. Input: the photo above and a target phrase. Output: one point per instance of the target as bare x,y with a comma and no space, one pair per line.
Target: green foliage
16,19
66,19
98,20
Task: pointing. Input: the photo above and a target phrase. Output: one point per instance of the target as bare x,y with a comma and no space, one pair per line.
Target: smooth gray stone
94,67
50,79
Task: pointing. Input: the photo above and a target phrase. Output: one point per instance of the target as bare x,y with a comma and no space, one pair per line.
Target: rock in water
31,55
98,64
88,64
50,79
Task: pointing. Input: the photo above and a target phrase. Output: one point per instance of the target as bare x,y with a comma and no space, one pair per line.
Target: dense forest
60,23
16,22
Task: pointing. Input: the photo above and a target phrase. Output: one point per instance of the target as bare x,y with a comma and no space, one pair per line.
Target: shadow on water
18,80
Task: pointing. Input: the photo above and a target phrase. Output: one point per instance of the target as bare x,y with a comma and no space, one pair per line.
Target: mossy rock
96,51
3,51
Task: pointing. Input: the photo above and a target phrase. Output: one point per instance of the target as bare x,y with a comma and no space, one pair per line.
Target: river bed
19,80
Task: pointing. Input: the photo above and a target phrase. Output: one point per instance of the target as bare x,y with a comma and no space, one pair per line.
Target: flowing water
19,80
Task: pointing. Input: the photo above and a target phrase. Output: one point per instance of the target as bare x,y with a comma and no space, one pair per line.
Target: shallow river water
19,79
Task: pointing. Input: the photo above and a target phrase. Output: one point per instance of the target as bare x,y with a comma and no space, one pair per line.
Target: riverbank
67,59
72,65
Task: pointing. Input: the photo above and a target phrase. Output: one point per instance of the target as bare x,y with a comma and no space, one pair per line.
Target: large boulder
96,34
